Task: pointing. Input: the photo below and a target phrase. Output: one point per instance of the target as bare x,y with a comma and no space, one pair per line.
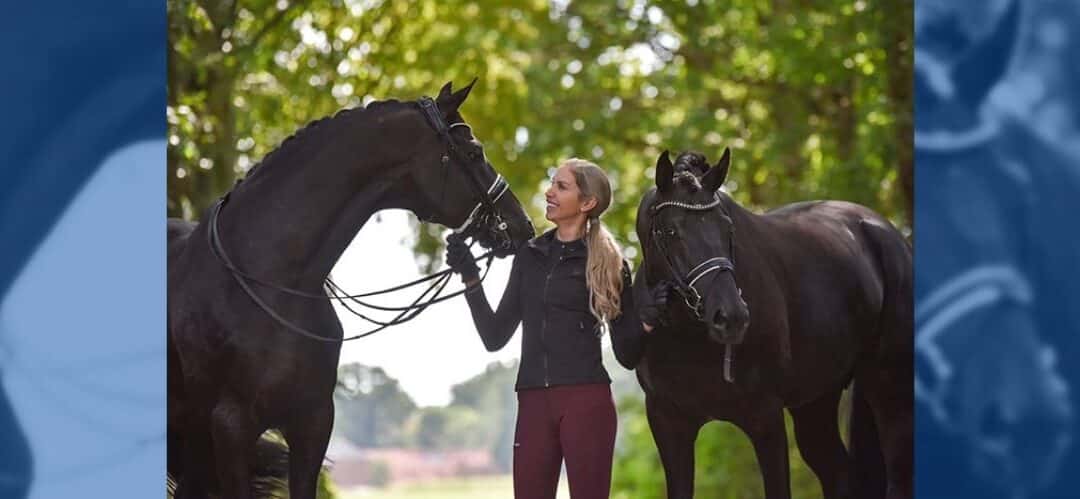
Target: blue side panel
82,250
997,181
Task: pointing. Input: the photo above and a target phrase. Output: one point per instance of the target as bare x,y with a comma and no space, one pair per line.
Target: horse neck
746,223
290,224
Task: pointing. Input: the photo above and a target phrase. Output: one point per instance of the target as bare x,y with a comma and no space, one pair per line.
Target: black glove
460,259
654,309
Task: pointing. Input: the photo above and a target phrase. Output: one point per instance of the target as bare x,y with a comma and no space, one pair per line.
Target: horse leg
174,460
890,395
234,432
308,436
196,477
767,432
674,435
818,435
883,376
174,456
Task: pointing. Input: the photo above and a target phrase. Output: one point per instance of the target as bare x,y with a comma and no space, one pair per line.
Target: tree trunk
898,56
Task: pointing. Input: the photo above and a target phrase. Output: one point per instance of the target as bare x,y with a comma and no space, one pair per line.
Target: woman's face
564,201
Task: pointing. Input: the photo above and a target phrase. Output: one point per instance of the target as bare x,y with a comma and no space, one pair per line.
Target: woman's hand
460,259
654,308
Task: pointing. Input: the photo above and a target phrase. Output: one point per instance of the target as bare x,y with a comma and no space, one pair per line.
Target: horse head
1004,394
688,237
456,185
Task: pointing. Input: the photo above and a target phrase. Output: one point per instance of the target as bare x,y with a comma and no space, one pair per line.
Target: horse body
772,251
239,367
235,371
828,288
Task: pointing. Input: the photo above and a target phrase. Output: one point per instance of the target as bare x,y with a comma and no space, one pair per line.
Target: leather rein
483,216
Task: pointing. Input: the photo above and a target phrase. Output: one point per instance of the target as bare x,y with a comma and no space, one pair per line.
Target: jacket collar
544,242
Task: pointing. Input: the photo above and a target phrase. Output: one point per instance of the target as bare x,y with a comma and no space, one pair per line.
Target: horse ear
664,171
714,178
452,102
444,92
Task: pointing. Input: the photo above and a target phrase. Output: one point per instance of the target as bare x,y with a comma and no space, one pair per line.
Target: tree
370,407
814,100
491,395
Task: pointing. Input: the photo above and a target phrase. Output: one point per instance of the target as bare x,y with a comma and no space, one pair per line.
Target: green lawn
488,487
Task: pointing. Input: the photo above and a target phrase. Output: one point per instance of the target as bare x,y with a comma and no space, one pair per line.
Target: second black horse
780,310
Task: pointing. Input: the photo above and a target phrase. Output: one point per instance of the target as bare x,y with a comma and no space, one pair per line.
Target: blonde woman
569,286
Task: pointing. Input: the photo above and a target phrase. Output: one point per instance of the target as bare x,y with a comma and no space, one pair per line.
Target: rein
487,197
484,212
441,279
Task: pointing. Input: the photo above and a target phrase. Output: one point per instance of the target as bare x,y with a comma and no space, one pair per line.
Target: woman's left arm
627,331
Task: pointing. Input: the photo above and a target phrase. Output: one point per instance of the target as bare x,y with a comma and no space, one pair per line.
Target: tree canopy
815,101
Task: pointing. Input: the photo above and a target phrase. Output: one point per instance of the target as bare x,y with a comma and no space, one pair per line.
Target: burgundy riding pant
572,422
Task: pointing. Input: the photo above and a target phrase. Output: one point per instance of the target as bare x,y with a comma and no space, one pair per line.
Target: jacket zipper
543,323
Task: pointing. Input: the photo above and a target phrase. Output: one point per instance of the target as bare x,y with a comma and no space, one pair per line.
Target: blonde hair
603,275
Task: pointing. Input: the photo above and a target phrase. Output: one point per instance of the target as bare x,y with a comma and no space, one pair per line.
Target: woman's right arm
496,327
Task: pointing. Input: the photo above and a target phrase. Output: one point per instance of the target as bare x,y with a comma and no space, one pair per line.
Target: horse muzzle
728,326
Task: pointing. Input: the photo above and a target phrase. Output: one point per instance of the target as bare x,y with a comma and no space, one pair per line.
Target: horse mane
305,132
692,162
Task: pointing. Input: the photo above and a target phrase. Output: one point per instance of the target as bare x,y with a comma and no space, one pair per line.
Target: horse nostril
719,318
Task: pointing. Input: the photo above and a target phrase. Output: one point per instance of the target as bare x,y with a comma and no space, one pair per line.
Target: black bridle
685,284
483,217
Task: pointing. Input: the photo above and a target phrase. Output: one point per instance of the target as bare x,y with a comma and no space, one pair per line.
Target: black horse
780,310
234,370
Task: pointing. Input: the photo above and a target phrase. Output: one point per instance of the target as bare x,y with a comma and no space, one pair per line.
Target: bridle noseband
686,285
484,214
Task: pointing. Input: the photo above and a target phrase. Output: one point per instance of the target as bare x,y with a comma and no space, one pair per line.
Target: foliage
491,395
814,100
725,465
326,488
370,407
373,411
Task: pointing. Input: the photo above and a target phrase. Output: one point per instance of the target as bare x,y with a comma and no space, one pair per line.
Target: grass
485,487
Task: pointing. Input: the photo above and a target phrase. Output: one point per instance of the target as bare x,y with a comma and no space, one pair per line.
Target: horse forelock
692,162
687,180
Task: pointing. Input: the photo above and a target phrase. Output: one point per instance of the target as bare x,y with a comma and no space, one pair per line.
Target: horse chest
693,380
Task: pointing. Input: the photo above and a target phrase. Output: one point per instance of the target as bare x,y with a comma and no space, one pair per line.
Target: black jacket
547,291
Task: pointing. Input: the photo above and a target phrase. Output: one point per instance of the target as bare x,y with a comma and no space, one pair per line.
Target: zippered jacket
560,338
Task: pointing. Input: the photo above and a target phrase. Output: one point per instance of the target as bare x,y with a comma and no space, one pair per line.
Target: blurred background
815,102
998,275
